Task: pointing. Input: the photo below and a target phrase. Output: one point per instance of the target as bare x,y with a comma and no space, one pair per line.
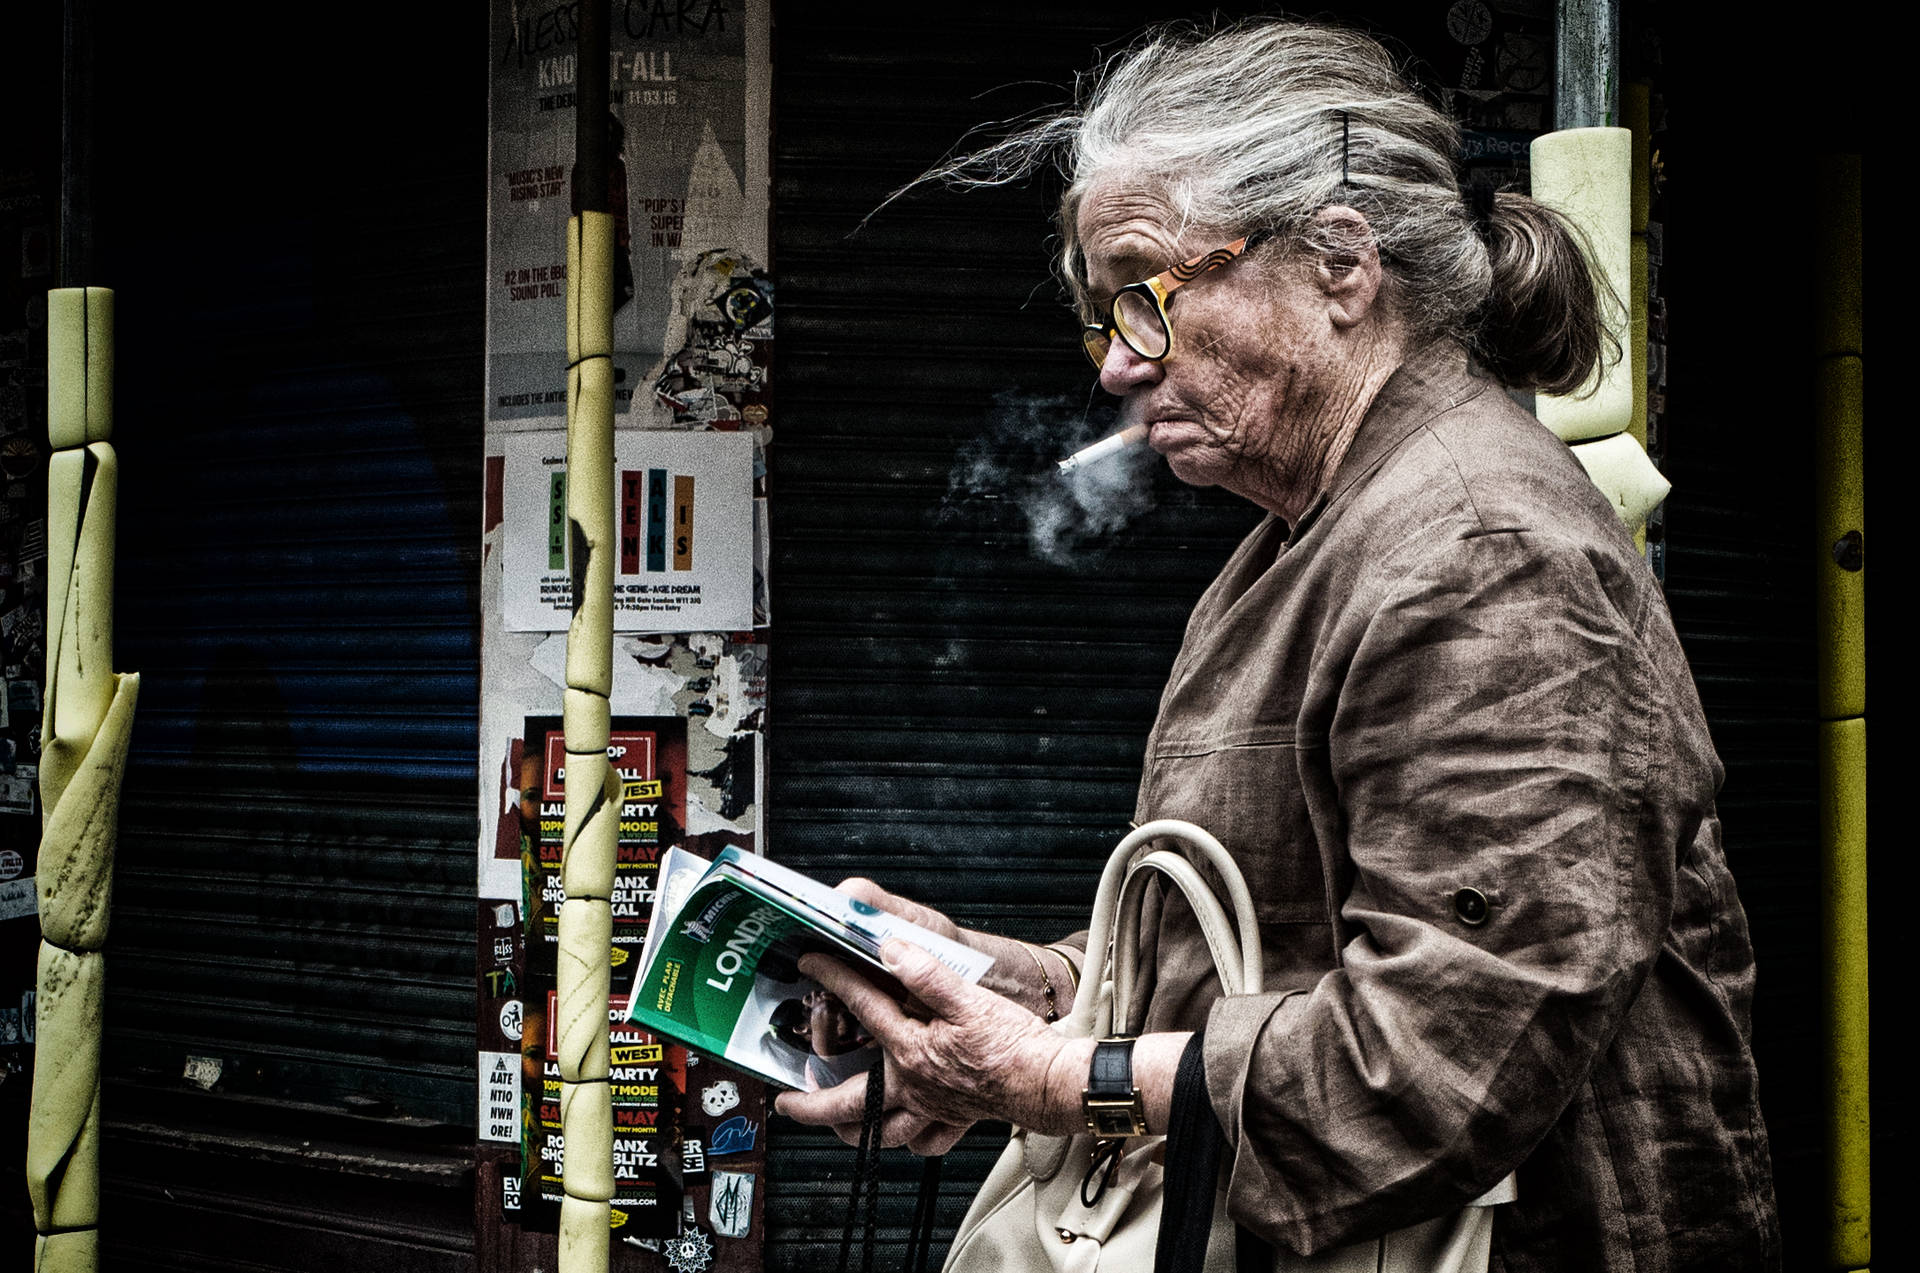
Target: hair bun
1542,325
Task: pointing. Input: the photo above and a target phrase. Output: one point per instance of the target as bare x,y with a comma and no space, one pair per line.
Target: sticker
203,1071
511,1019
509,1193
500,1097
730,1209
9,1026
503,915
688,1253
635,1054
16,795
28,1004
735,1136
17,899
720,1097
693,1163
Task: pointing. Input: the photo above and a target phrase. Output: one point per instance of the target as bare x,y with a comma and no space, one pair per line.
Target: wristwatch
1112,1103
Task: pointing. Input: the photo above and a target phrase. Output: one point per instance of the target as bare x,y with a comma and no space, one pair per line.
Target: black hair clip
1480,206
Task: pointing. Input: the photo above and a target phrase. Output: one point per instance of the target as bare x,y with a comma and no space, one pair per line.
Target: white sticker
17,898
730,1207
11,864
720,1098
203,1071
511,1021
500,1096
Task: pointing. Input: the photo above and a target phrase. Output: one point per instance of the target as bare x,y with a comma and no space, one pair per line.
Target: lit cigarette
1131,436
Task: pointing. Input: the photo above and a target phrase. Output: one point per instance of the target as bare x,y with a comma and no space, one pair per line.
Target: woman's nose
1124,370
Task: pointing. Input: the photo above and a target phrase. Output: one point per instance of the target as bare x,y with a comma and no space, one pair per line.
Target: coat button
1470,904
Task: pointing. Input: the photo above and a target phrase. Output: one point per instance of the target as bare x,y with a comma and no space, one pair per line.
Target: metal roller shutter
289,1050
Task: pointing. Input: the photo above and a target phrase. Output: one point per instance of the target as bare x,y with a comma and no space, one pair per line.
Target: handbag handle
1092,1015
1084,1021
1238,965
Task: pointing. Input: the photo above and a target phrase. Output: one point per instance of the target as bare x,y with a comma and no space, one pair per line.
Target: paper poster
500,1096
683,508
647,1084
650,755
685,180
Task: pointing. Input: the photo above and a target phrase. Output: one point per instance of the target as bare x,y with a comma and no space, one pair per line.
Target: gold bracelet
1046,982
1073,971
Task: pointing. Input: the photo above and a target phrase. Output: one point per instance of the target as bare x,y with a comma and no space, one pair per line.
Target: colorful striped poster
685,509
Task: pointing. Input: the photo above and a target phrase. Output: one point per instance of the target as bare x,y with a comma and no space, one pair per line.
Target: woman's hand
926,917
1017,971
979,1056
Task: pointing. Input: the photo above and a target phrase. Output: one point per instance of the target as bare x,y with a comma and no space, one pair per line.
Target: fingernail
893,952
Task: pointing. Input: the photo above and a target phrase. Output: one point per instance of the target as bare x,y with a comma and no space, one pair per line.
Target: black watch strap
1111,1102
1112,1072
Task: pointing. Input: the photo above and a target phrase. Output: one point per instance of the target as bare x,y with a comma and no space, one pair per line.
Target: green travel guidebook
719,968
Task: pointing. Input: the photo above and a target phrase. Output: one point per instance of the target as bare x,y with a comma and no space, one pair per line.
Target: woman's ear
1348,269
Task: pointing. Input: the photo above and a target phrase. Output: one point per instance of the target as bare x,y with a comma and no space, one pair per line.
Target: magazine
719,969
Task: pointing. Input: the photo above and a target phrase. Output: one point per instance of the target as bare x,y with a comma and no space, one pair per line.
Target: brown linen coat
1457,673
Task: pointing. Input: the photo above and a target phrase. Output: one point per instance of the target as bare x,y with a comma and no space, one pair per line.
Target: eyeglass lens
1138,319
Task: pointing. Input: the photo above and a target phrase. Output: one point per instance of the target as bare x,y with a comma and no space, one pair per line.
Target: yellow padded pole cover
79,366
588,721
586,1111
590,245
592,826
584,975
67,1025
586,1233
75,878
1843,838
67,1252
1624,475
1587,173
80,540
1841,599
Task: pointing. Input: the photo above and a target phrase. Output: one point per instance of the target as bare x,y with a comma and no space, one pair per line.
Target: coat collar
1432,381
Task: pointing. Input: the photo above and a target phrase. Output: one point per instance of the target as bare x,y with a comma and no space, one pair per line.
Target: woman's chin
1191,465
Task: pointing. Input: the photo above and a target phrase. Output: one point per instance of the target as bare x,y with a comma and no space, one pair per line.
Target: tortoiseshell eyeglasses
1138,312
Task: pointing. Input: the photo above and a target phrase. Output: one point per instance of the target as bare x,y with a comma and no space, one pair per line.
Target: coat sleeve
1493,727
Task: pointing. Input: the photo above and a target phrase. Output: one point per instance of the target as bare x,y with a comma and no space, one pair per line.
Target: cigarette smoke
1067,515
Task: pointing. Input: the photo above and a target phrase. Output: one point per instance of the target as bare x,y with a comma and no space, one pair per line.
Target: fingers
872,894
929,980
829,1107
937,1139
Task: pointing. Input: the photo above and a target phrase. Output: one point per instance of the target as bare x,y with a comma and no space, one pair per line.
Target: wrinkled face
1228,404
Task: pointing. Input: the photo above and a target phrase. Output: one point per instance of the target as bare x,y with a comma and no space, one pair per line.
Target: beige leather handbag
1033,1216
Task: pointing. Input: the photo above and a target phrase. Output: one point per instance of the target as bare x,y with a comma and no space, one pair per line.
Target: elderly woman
1433,705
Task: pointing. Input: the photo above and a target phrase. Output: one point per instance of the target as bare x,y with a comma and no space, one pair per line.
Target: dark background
293,217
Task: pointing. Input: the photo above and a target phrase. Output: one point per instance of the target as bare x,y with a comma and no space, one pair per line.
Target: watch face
1125,1116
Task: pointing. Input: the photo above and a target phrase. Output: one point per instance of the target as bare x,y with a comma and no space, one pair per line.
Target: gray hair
1263,124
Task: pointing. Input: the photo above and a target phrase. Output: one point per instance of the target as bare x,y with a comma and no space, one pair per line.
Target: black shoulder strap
1194,1145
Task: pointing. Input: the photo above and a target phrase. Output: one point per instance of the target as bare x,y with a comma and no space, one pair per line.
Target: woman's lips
1165,435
